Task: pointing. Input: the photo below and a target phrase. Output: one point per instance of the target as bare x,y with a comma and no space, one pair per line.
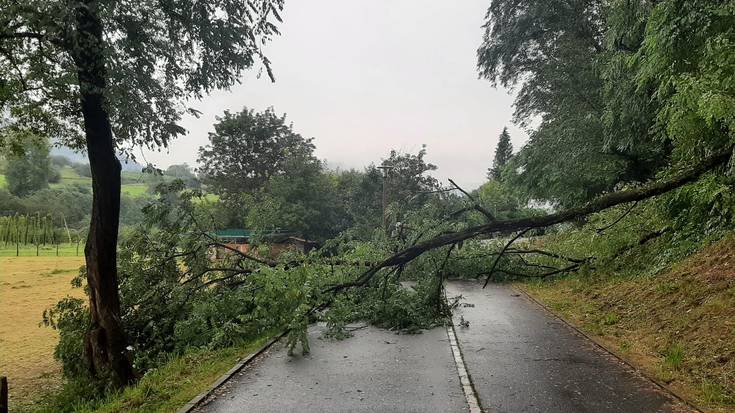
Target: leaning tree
111,75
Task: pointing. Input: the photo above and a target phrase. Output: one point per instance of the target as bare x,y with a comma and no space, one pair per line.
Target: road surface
373,371
519,358
523,359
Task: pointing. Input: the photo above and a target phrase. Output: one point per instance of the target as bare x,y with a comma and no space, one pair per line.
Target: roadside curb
197,400
662,386
465,380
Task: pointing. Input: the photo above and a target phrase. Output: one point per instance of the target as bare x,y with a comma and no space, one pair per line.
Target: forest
617,212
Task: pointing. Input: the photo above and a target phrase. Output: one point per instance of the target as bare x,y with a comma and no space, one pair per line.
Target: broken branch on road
596,205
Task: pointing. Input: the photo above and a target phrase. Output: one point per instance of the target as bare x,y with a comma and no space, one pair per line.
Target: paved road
373,371
520,359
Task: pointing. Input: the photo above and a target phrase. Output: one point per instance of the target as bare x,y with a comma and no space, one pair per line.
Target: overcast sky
363,77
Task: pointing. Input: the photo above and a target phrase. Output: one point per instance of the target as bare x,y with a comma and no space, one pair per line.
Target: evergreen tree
503,153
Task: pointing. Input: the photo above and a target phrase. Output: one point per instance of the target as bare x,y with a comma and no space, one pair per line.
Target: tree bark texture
105,342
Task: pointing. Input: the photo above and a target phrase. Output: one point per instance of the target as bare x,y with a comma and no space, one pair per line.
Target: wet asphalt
373,371
523,359
520,359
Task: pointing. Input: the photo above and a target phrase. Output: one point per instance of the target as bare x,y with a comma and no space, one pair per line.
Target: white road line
464,378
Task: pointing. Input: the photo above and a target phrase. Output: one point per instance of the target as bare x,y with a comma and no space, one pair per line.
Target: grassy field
678,326
70,177
134,190
29,285
134,183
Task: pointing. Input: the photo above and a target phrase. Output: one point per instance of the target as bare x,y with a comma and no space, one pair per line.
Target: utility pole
386,170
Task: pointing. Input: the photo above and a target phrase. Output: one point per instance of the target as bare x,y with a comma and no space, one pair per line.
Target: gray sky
363,77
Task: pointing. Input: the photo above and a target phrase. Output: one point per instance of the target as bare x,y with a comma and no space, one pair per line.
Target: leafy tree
360,193
183,172
247,148
687,58
305,202
407,181
499,200
503,153
551,48
29,172
107,76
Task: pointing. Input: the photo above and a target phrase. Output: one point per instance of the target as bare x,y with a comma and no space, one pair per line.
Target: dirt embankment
678,326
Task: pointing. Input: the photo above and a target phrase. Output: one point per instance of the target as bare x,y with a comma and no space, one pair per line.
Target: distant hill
81,157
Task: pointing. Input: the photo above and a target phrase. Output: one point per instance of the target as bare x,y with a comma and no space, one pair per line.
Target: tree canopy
248,148
30,171
107,76
157,55
604,129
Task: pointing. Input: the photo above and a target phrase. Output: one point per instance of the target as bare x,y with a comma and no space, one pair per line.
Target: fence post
3,394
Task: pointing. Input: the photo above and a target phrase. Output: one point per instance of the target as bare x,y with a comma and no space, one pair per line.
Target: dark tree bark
105,342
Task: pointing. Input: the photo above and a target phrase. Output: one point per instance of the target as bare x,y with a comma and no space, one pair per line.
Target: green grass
211,198
610,319
172,385
134,190
674,356
70,177
135,184
65,250
135,177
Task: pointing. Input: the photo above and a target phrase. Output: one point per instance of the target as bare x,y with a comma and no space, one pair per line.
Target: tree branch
500,255
22,35
476,205
620,218
598,204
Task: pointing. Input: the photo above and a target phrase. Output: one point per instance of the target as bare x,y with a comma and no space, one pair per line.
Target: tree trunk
105,342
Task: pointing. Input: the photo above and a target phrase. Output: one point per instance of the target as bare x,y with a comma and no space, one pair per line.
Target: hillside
135,183
678,326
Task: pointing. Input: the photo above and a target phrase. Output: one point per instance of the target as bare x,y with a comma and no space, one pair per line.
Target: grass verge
164,389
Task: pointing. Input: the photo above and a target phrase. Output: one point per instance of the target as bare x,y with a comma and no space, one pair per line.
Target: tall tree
560,54
29,171
503,153
109,76
407,181
247,148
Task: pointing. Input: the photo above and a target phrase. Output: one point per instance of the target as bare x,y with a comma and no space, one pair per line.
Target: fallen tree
598,204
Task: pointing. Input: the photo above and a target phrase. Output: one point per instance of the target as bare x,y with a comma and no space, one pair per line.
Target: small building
278,241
